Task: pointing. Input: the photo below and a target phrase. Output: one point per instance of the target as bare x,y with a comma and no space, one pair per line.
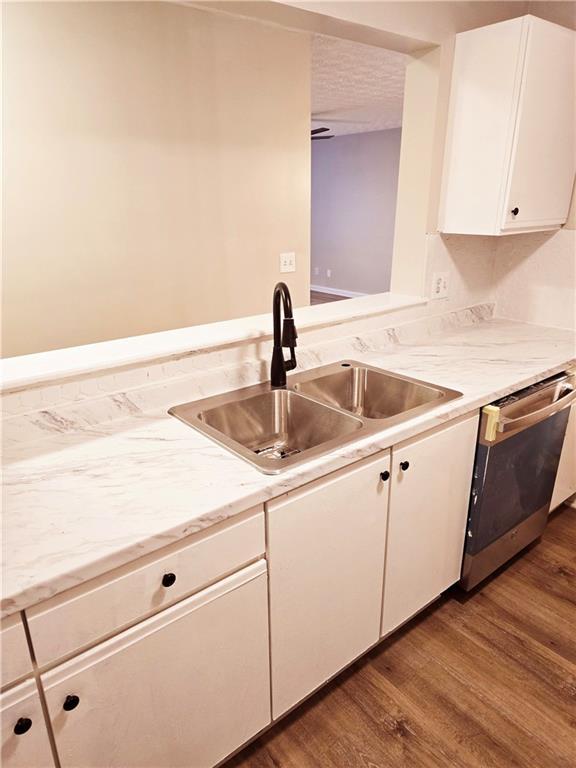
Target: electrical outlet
328,273
288,262
316,271
440,285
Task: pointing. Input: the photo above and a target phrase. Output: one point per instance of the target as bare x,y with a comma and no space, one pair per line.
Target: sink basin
371,393
272,429
319,411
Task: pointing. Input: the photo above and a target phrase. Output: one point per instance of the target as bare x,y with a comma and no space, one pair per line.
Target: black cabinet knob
168,579
515,211
22,725
70,702
384,475
404,465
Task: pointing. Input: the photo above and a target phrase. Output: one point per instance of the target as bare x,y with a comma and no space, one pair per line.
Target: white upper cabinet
510,153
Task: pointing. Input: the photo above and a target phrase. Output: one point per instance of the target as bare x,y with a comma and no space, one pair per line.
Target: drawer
16,661
102,606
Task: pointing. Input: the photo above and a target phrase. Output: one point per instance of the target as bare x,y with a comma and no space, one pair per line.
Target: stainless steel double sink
320,410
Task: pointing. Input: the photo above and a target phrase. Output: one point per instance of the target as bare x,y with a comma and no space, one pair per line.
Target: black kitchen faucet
286,338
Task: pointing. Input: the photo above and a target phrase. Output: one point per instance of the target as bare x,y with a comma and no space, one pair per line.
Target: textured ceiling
356,87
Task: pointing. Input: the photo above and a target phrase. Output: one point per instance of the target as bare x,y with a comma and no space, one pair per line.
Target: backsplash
84,402
534,278
469,262
530,277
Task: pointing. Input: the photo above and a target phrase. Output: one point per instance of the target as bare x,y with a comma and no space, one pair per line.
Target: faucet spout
285,338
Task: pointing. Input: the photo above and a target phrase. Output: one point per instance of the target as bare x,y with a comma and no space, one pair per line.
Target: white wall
534,278
530,277
156,163
354,189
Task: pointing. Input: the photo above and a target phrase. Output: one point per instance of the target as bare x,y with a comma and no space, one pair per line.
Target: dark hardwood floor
485,680
318,297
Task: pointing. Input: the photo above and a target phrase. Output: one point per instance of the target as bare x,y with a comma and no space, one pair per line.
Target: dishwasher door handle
529,419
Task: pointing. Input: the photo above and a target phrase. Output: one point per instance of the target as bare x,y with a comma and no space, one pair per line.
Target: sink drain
276,452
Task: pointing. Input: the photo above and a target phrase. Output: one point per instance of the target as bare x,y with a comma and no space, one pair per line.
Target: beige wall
401,25
429,22
354,188
417,180
157,161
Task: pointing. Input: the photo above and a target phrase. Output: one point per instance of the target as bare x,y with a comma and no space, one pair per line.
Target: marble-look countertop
97,498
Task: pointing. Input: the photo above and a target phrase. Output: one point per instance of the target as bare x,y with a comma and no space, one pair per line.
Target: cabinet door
431,479
25,741
15,658
326,559
565,484
484,92
544,156
184,688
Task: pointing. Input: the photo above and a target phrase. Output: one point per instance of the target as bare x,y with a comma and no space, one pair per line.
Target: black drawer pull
23,724
384,475
404,465
515,211
70,702
168,579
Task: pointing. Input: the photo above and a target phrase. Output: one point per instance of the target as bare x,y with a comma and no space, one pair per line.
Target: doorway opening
356,125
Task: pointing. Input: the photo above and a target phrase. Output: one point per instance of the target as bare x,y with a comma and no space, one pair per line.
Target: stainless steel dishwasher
519,446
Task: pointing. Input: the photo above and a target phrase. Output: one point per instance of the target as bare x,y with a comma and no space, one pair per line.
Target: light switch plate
440,285
288,262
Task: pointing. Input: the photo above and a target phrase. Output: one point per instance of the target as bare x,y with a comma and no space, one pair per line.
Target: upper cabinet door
326,559
510,148
542,172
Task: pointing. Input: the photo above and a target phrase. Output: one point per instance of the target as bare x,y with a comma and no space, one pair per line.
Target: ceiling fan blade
314,131
320,138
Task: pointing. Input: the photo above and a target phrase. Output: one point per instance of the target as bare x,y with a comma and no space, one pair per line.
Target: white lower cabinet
351,557
183,688
326,559
25,742
15,659
431,478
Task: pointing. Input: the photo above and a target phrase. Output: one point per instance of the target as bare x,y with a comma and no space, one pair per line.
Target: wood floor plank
484,680
541,667
528,715
540,614
451,710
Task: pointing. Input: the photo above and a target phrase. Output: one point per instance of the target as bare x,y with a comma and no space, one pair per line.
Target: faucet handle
289,334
